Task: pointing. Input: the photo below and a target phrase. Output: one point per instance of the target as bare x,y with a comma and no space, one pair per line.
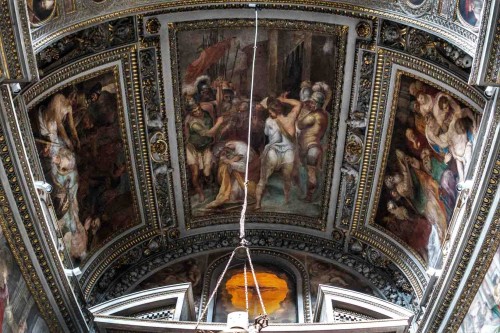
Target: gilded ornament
153,25
174,233
159,147
364,29
354,149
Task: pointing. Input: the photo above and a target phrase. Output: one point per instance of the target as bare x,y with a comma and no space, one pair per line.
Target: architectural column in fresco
273,61
306,69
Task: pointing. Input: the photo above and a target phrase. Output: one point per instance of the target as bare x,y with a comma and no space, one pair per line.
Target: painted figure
200,131
231,173
312,123
52,121
279,153
470,10
40,10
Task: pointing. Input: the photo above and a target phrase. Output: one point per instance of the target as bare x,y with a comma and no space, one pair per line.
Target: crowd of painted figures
429,162
73,131
286,135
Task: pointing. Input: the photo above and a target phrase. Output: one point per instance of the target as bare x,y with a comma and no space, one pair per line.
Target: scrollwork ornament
337,236
159,148
173,233
354,149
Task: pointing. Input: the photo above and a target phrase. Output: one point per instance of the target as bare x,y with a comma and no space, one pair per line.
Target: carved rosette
364,29
153,26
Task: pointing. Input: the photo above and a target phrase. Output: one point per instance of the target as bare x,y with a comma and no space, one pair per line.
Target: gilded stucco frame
122,62
340,33
13,232
363,226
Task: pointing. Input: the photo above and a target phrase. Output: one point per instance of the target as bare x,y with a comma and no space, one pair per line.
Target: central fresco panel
296,102
432,141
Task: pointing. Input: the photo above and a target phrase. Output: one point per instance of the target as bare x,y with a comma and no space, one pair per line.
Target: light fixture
237,322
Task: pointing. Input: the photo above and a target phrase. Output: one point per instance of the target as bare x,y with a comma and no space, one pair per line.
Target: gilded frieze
461,36
83,43
423,45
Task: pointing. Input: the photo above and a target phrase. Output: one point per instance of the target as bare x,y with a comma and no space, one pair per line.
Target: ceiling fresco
362,128
86,147
214,66
83,154
96,135
430,151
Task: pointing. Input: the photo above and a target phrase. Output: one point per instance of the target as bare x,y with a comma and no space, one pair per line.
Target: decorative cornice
437,24
493,65
481,45
95,39
476,224
123,274
12,231
17,59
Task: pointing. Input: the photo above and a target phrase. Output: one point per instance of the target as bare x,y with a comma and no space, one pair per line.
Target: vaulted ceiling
366,180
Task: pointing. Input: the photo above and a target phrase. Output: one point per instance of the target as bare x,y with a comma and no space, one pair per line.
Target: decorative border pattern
337,31
493,67
9,54
154,91
386,60
13,234
386,277
471,243
440,26
481,41
362,83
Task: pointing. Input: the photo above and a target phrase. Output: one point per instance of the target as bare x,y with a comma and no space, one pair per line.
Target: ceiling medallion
364,29
153,25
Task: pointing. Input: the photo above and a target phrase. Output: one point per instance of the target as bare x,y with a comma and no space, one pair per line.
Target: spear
234,62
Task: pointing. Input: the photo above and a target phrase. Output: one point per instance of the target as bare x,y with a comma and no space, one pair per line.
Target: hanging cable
261,321
219,281
245,200
246,286
256,284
